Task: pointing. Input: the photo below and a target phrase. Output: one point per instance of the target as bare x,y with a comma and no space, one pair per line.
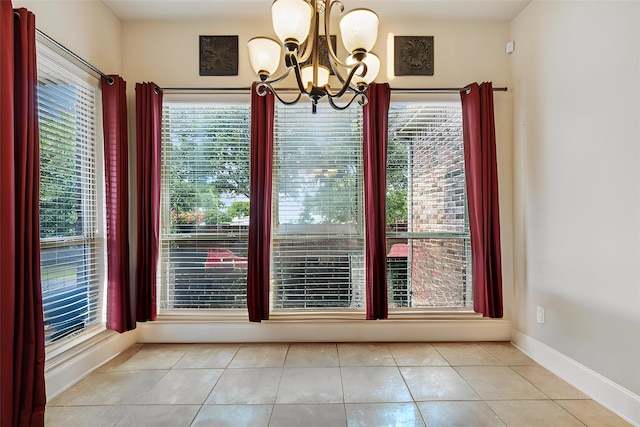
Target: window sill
325,316
426,326
57,355
432,313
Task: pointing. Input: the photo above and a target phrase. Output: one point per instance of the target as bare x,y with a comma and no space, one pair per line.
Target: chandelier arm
308,45
362,101
336,71
263,87
306,48
296,69
347,85
279,79
327,32
285,102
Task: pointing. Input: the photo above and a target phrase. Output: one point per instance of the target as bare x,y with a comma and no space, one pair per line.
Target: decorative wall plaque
218,55
323,52
413,55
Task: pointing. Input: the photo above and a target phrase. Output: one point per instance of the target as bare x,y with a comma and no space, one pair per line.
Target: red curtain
22,385
482,194
116,170
260,191
375,135
148,155
7,231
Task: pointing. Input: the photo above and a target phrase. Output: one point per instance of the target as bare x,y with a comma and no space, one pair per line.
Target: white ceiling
495,10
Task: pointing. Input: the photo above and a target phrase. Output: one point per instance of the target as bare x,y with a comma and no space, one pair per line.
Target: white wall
86,27
167,51
576,79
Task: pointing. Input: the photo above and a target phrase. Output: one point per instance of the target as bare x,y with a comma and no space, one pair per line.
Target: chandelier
297,24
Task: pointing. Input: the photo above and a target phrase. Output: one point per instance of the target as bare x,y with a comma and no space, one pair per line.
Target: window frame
467,308
348,296
93,236
165,289
291,314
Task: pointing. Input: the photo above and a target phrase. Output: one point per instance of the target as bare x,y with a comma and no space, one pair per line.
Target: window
205,206
318,234
71,226
429,254
318,241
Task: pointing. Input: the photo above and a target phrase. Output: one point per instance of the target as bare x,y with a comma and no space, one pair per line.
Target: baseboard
76,363
396,330
599,388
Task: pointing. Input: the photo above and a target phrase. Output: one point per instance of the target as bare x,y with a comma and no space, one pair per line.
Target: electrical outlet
540,314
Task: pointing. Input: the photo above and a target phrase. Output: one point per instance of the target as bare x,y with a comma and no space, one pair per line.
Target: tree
238,209
317,170
61,166
207,158
397,170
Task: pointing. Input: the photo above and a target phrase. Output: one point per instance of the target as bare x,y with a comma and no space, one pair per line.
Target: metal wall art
413,55
218,55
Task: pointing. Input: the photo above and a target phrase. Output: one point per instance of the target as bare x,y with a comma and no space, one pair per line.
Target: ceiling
433,10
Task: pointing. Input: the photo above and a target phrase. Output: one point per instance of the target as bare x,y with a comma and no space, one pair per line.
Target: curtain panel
260,192
148,157
482,193
120,316
375,139
7,200
22,386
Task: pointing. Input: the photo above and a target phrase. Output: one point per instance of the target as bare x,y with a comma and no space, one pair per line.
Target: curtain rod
74,56
440,89
247,89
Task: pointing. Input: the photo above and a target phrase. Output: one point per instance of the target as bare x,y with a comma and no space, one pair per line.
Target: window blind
71,230
317,230
205,205
428,259
318,240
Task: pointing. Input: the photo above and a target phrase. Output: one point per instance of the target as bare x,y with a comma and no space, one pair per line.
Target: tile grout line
503,362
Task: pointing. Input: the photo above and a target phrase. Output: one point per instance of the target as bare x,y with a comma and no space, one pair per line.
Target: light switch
509,46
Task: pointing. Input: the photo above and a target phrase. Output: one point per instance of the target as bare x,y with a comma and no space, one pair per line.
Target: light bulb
307,76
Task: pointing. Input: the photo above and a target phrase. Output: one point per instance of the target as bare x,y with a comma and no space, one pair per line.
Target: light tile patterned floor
325,385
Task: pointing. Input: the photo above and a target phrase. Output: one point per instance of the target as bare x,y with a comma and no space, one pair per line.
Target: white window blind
429,255
205,205
318,239
71,229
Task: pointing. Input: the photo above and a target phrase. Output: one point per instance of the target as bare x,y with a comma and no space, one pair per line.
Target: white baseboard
599,388
326,331
74,364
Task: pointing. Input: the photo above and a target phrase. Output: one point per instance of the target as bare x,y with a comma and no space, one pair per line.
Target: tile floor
344,384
